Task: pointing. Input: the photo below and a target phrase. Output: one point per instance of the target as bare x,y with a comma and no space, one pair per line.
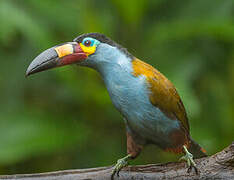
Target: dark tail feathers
196,150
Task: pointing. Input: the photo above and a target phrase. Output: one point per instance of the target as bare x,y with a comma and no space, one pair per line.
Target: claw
119,165
189,158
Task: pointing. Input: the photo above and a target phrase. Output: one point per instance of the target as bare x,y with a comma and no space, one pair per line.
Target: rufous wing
163,93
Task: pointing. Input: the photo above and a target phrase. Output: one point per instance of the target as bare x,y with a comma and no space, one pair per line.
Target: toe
113,174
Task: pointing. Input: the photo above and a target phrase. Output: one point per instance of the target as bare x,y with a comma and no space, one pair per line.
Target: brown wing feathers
163,93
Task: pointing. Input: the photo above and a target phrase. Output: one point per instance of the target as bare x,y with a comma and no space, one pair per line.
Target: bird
149,103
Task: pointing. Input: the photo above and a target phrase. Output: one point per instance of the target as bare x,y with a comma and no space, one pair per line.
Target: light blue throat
130,95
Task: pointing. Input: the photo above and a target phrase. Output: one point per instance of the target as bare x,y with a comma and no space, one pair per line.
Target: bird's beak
67,53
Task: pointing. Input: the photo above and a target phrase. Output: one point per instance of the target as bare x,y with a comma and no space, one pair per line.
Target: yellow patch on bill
64,50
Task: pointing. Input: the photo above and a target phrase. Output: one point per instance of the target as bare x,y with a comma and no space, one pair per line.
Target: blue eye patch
90,42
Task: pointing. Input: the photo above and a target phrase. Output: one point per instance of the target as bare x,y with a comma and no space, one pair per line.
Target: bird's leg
133,150
120,164
189,158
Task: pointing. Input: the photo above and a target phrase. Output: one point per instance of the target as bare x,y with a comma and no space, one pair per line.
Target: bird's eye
87,43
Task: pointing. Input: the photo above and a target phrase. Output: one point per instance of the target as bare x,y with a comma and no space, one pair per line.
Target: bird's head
87,50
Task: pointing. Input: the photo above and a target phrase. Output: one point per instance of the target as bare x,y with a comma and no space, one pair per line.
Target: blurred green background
63,118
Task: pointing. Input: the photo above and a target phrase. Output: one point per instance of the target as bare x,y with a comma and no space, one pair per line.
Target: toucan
151,107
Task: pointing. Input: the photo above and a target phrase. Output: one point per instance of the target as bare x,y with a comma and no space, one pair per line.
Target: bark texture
217,166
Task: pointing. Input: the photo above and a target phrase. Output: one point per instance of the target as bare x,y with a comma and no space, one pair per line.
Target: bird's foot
119,165
189,158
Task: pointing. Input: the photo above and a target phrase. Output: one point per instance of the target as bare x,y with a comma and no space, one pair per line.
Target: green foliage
64,118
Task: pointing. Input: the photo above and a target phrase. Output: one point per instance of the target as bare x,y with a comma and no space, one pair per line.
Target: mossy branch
217,166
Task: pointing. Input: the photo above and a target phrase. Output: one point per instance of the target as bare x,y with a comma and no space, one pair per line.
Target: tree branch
217,166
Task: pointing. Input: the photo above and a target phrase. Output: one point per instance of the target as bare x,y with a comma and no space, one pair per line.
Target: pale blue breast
130,95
